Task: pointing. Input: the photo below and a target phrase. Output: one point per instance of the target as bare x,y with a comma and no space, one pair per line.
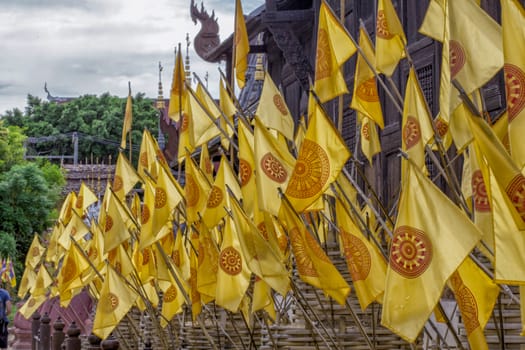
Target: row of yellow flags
425,251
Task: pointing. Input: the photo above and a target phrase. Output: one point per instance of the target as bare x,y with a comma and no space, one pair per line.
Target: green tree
11,146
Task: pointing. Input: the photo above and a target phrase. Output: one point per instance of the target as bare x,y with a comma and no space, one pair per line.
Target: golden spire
187,60
160,99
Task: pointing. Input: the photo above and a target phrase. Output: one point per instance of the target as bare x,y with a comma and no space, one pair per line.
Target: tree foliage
11,146
97,120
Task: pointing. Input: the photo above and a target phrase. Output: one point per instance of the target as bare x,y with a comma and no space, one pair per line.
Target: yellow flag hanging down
67,208
125,177
197,189
476,295
34,253
365,98
128,118
114,225
247,168
114,303
417,130
76,229
70,274
172,302
334,47
229,109
233,275
390,38
208,265
150,156
370,144
217,198
178,93
241,45
205,163
424,252
272,109
513,27
364,260
260,256
85,198
42,282
186,134
322,155
203,118
507,174
28,280
313,265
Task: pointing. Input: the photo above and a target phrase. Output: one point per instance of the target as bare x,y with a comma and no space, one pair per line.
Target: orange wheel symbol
215,197
35,251
31,302
441,127
411,252
323,68
146,256
357,256
382,26
273,168
160,157
305,266
143,160
108,223
515,89
283,242
171,294
185,122
69,270
118,267
311,172
481,200
516,192
161,198
365,131
457,58
280,104
108,302
245,172
145,215
208,166
230,261
79,202
263,230
411,132
117,183
93,253
367,90
466,302
192,191
175,257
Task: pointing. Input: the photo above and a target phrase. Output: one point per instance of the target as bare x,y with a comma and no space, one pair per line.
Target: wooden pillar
73,337
45,332
35,328
58,334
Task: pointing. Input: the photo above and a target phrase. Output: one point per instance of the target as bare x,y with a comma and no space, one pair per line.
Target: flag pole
340,97
130,142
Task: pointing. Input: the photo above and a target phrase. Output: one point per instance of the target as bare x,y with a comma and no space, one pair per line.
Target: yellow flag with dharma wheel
115,300
365,98
196,189
334,47
322,155
390,38
425,250
241,45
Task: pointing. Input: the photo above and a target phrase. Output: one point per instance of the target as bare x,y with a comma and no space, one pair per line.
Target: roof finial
160,99
187,61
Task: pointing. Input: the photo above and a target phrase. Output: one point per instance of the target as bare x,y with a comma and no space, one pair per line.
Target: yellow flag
390,38
273,165
204,127
513,22
313,265
417,130
241,45
31,305
186,134
85,198
208,265
34,253
370,144
119,259
150,156
300,133
364,260
116,298
322,155
196,303
172,302
365,98
507,174
69,277
67,208
114,225
125,177
197,189
76,228
260,256
42,282
217,198
128,119
95,251
205,163
178,93
233,275
424,252
434,20
334,47
28,280
247,168
262,298
273,111
476,295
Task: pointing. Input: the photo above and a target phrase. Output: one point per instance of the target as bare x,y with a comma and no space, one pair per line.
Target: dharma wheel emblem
323,67
192,191
481,200
515,89
367,90
245,172
411,252
357,256
382,26
411,132
117,183
230,261
516,192
457,58
273,168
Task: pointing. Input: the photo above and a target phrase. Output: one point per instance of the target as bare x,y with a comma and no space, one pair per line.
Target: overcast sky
94,46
